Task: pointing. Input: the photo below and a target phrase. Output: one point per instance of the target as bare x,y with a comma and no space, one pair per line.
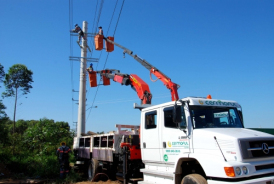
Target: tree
2,106
18,79
2,73
3,115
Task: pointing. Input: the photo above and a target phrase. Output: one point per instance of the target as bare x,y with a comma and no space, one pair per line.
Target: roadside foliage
28,147
31,150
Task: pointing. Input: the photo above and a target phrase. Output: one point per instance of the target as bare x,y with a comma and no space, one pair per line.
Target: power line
95,16
127,100
112,15
91,42
107,54
71,52
118,17
95,28
107,34
99,13
97,89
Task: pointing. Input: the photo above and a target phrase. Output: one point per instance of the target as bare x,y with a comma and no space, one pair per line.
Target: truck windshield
215,117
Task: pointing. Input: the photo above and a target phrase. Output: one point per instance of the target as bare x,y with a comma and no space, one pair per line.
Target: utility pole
81,125
75,127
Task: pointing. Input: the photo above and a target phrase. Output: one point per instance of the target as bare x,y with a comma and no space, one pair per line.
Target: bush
31,151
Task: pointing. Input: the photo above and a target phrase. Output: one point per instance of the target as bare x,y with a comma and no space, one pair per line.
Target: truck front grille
257,148
261,148
262,167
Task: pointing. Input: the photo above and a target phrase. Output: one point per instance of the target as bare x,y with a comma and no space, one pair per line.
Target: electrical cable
95,28
118,17
99,14
107,34
112,15
97,89
71,52
101,51
98,19
71,37
94,15
106,57
126,100
91,42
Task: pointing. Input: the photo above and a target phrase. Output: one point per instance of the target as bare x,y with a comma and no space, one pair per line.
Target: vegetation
28,147
2,73
2,107
18,79
34,151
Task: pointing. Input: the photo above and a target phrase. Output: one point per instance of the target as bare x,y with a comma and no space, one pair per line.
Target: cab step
164,174
153,175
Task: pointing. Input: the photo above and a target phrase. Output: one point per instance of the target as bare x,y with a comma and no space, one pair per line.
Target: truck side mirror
177,114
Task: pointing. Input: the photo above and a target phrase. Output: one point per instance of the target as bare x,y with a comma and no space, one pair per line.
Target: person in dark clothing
79,31
63,157
100,31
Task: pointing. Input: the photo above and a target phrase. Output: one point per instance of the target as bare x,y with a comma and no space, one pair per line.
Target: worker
78,30
100,31
63,157
90,68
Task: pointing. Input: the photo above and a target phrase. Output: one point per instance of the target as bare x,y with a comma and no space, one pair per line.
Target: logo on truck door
165,157
183,144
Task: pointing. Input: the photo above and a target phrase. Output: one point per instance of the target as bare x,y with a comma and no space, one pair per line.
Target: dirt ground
100,182
5,177
17,181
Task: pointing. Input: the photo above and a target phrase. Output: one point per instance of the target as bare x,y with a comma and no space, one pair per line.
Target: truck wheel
93,169
194,179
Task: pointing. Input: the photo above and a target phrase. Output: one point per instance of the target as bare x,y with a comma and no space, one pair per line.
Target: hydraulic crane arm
133,80
173,87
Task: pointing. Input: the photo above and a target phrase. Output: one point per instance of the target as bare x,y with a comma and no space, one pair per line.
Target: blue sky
223,48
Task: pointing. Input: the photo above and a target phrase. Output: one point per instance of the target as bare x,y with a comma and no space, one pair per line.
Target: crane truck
191,140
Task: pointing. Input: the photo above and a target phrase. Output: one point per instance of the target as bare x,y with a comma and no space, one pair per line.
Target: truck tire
93,169
194,179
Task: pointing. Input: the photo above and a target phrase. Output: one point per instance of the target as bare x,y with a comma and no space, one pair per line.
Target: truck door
150,137
174,139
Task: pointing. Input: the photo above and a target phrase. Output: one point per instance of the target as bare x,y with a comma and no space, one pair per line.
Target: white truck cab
208,144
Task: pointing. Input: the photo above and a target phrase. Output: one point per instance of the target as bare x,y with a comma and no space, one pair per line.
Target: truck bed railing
134,129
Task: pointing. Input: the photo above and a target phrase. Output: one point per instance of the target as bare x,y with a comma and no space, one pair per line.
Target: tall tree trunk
14,110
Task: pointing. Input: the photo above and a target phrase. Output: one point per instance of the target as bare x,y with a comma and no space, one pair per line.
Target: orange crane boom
173,87
133,80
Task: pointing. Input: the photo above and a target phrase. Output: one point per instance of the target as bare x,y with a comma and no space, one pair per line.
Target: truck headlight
238,170
244,168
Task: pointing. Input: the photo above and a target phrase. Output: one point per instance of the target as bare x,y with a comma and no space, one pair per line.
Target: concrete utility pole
81,125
